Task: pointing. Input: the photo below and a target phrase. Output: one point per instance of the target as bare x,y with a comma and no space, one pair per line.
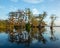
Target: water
48,39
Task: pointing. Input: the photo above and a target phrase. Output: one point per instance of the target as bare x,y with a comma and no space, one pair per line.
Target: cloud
12,8
3,12
33,1
14,0
35,11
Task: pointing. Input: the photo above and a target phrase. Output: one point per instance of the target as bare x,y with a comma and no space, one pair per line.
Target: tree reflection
53,38
11,36
26,37
41,37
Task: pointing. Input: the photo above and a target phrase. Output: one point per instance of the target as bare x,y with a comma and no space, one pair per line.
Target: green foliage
28,27
17,27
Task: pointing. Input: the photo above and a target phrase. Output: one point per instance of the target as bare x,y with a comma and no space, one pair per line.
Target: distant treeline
3,24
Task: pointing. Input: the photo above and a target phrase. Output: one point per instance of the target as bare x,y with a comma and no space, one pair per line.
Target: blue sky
37,6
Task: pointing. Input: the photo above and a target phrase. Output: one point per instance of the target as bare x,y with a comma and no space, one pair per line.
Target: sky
37,7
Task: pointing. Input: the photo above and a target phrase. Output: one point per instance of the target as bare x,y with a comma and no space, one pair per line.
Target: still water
48,39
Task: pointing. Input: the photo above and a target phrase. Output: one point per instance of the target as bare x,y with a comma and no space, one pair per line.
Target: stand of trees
17,19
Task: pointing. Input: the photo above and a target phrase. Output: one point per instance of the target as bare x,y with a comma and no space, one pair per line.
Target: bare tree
53,18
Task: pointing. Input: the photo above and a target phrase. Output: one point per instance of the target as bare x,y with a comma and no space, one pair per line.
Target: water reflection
52,38
33,38
26,37
41,38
